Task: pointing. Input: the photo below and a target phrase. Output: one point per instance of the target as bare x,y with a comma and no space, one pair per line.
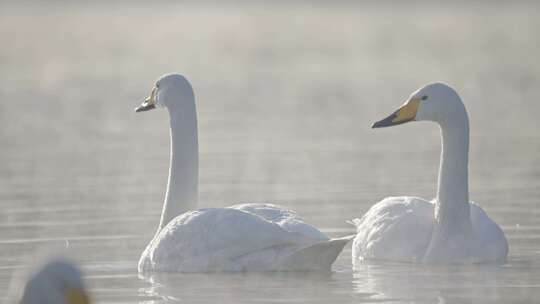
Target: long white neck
182,186
452,231
452,202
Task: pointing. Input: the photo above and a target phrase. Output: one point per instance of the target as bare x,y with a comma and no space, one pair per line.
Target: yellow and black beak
149,103
404,114
77,296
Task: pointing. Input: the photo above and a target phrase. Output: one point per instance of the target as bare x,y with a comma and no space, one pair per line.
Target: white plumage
448,229
247,237
400,228
57,282
239,238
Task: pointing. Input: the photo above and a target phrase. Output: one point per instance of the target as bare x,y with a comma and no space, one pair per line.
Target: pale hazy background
286,94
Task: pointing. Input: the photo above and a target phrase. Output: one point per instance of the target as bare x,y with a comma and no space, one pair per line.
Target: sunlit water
286,96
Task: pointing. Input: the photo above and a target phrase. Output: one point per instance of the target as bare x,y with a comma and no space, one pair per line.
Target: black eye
157,85
424,97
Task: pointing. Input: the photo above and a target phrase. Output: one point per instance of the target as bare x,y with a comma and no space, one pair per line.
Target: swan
57,282
449,229
245,237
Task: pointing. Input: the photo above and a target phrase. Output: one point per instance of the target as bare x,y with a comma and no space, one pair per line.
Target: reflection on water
286,95
446,284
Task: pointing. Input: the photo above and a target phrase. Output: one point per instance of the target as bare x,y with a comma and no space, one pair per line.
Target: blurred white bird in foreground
57,282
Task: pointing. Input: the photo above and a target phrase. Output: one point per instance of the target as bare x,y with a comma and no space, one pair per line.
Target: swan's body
240,238
400,228
248,237
57,282
449,229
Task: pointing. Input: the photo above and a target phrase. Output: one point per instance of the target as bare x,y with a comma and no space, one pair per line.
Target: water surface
286,95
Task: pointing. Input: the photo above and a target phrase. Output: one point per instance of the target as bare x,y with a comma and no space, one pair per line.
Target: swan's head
434,102
169,91
58,281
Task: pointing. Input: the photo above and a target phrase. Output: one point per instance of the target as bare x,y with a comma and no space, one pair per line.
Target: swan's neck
182,186
452,202
452,235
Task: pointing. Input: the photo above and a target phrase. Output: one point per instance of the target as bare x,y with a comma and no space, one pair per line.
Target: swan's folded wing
269,212
286,219
217,239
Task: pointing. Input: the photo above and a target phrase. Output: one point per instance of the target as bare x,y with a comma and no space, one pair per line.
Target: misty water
286,95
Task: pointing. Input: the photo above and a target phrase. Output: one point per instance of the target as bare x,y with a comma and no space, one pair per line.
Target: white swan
449,229
56,282
248,237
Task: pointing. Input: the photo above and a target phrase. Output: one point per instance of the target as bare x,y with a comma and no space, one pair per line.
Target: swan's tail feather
355,222
319,256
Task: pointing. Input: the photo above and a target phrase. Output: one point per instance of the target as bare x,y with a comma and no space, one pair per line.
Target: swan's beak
404,114
76,296
149,103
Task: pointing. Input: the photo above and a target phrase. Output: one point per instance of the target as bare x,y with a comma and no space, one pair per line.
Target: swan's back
286,219
396,228
230,239
400,228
